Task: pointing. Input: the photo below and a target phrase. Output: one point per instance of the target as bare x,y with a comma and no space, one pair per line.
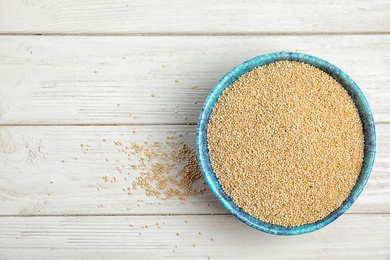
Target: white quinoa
286,143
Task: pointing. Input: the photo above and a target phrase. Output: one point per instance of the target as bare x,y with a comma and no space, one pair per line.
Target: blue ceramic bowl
365,116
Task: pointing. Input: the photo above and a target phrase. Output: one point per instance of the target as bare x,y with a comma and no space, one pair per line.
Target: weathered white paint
58,91
81,80
33,158
176,16
362,236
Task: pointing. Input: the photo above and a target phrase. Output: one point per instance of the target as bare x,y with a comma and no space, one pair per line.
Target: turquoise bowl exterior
365,116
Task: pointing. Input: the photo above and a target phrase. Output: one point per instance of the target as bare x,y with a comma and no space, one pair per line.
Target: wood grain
222,237
77,72
175,16
110,80
35,156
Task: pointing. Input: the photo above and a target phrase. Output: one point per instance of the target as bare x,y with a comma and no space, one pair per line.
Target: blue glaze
365,116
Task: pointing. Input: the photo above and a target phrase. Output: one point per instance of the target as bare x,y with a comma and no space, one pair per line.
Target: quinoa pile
163,179
286,143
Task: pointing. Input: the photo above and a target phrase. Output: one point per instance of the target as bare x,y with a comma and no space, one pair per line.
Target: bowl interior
365,116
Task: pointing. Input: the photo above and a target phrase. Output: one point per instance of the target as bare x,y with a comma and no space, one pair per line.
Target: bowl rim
368,129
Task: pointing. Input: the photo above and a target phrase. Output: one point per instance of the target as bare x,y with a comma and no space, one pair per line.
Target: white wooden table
72,71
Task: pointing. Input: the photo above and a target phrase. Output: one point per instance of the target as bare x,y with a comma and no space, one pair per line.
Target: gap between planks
164,34
132,124
120,124
155,215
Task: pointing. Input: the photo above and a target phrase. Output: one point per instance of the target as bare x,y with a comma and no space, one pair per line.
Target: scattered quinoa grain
164,169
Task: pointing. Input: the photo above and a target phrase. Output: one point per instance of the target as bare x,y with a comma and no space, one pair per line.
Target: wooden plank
101,80
31,158
221,237
176,16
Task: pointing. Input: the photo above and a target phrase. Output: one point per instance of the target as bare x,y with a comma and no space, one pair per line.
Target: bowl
368,131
